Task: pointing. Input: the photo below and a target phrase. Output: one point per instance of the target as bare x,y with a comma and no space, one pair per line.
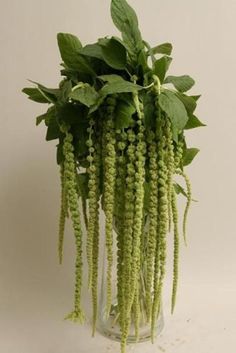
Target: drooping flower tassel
63,214
72,194
109,192
176,250
160,257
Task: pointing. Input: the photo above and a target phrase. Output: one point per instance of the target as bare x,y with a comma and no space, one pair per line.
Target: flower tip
76,317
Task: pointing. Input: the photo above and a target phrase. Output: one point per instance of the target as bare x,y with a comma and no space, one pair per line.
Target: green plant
120,122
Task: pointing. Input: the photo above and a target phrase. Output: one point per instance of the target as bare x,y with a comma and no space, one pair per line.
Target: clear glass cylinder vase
108,324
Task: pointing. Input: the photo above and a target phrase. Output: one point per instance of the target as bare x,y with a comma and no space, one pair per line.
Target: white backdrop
35,292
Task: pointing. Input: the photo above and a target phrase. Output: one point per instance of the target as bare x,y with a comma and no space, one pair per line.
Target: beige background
35,292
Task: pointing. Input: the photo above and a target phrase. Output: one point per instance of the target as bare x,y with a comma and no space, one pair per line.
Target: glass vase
108,324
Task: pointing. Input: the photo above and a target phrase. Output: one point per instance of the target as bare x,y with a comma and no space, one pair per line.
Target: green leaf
40,118
181,83
125,19
193,122
82,182
65,90
188,101
69,46
119,87
85,94
161,66
35,95
60,154
95,106
123,114
196,97
46,116
114,53
142,61
71,114
111,78
189,155
164,48
118,39
53,131
149,111
92,50
179,189
70,74
51,94
81,136
175,110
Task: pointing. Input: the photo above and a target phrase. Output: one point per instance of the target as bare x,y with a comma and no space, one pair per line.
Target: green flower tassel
176,250
71,187
160,259
152,234
188,204
170,165
109,192
128,239
63,215
92,202
95,252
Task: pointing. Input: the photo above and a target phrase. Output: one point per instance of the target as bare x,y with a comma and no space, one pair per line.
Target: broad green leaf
69,46
175,110
193,122
35,95
51,94
181,83
188,101
189,155
53,131
111,78
85,94
92,50
123,115
164,48
119,87
161,66
125,19
120,41
84,66
114,53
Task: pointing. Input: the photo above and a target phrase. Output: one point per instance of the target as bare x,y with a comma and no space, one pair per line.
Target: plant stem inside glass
108,324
